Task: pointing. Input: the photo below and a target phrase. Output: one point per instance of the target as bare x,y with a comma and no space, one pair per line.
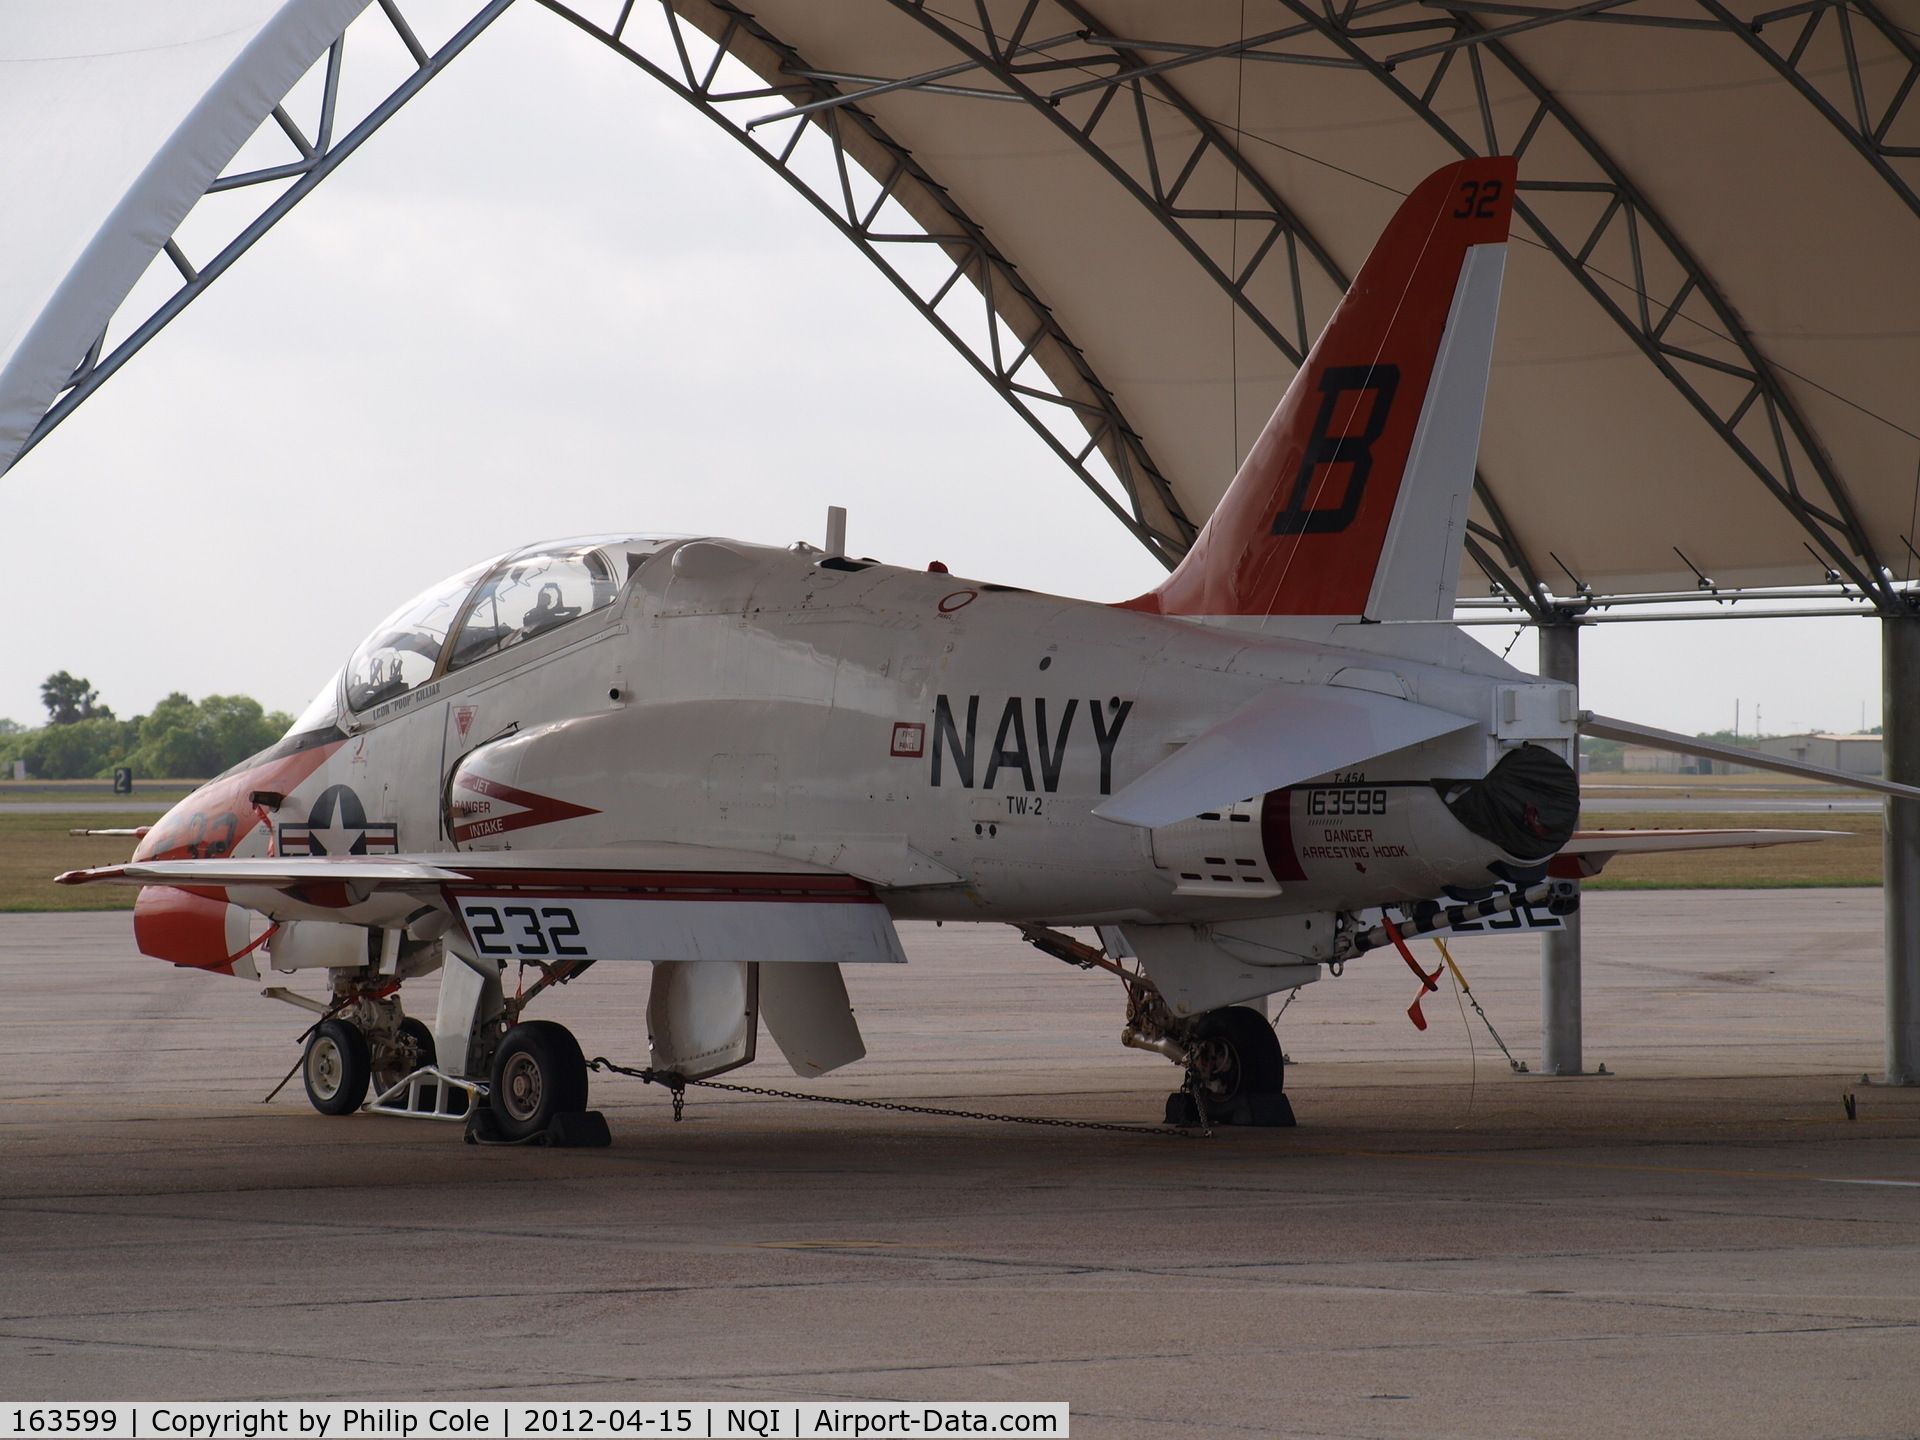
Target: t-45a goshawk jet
742,763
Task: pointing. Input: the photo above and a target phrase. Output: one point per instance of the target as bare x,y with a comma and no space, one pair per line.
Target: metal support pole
1560,949
1900,729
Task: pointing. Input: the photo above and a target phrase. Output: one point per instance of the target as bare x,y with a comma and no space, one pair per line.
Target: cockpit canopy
491,607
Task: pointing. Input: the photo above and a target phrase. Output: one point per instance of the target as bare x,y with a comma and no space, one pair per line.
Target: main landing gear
1236,1072
510,1081
538,1091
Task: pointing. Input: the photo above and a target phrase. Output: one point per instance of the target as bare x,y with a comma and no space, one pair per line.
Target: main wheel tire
538,1073
336,1067
1234,1052
416,1050
424,1051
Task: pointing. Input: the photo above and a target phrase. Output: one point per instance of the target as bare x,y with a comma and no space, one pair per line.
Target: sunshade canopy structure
1134,217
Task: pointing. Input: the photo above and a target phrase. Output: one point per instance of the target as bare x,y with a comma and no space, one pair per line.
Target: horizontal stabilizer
1666,842
1281,737
1601,727
1588,852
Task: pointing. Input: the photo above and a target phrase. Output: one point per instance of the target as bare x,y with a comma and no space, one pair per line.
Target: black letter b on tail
1354,451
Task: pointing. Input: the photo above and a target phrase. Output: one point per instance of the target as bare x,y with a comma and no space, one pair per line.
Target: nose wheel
337,1067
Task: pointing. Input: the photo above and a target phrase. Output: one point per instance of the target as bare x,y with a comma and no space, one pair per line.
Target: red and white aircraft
742,763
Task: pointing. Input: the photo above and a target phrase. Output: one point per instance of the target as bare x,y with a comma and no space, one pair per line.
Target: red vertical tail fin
1354,499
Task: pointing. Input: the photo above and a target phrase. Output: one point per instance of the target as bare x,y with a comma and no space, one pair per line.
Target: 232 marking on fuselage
545,932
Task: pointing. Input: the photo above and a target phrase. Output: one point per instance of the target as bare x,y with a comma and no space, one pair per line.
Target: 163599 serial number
64,1420
1347,800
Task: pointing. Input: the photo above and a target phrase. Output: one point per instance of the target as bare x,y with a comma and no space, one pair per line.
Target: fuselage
944,739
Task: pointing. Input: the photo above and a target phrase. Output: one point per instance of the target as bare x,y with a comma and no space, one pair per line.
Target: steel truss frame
1177,146
871,183
1753,415
1123,109
318,157
1594,221
1866,109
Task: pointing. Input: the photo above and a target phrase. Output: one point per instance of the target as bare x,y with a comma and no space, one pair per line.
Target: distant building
1645,760
1854,754
1851,754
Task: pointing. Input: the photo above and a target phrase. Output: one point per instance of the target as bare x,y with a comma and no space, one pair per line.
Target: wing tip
88,877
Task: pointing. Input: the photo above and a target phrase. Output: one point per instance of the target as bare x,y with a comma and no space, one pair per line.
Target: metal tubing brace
309,172
404,1098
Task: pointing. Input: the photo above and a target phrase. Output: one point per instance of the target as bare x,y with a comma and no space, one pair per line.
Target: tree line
182,739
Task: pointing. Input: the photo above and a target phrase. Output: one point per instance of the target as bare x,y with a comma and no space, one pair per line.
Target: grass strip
35,848
1853,861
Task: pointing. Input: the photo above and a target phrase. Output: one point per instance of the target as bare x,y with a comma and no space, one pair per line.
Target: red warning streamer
1427,982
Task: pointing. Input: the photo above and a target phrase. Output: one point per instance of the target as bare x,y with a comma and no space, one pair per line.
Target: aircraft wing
1588,852
407,872
642,902
1280,737
364,873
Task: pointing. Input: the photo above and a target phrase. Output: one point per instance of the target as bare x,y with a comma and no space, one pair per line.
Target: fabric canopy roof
1663,121
1712,315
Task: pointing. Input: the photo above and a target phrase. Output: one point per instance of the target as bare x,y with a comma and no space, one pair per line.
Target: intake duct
1528,804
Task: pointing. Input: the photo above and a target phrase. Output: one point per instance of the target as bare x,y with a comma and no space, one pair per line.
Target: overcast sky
549,299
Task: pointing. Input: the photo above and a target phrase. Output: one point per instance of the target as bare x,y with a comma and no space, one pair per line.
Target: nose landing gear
337,1067
369,1043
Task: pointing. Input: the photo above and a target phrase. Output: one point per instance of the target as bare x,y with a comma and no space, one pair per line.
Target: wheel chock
586,1130
1273,1111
